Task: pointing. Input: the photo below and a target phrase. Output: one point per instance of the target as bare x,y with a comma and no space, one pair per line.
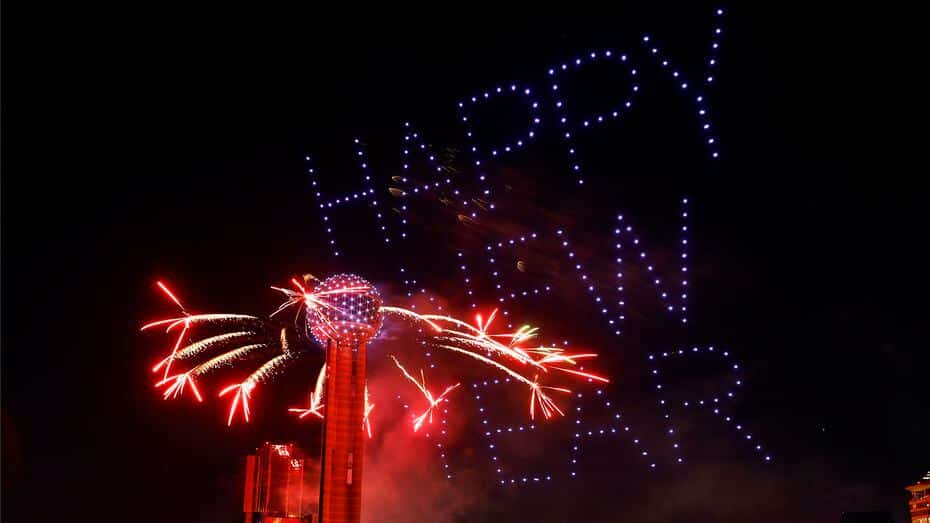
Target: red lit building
281,486
920,500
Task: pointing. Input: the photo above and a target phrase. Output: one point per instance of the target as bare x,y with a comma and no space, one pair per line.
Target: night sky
166,142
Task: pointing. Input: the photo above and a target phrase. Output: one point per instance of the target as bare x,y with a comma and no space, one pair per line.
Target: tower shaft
343,437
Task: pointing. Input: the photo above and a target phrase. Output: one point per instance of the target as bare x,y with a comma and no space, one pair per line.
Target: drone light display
346,307
437,181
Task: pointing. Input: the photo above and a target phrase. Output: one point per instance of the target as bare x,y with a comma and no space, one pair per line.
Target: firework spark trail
366,420
546,405
480,341
433,318
482,325
479,338
244,389
522,334
315,403
315,301
187,322
316,398
177,344
166,363
421,385
315,297
197,319
312,301
228,358
536,389
178,383
410,316
196,349
177,388
171,295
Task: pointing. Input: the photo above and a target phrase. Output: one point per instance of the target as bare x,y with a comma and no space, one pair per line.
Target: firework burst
340,311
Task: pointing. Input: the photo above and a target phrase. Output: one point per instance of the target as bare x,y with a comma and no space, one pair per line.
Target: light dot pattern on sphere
350,312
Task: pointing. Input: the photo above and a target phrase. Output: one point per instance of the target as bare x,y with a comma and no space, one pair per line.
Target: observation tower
350,318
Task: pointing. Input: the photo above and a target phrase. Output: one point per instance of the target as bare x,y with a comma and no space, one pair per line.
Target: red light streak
316,397
243,390
178,383
366,421
170,294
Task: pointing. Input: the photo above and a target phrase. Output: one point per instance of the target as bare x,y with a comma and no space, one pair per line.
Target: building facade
920,500
343,437
281,486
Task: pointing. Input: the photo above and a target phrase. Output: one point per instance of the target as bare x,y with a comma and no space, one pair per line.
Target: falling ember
421,385
546,405
368,408
177,385
241,397
315,404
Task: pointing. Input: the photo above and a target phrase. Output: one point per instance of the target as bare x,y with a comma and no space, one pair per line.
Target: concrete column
343,437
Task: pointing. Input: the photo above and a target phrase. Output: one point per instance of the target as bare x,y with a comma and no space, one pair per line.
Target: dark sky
166,141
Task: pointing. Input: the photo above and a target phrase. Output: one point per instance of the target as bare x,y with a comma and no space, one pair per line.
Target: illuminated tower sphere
352,313
347,313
